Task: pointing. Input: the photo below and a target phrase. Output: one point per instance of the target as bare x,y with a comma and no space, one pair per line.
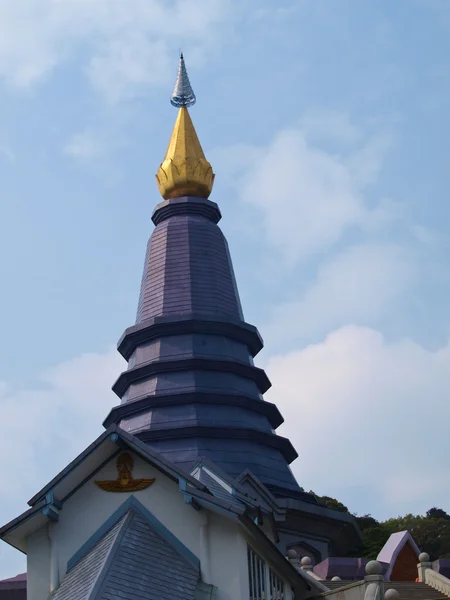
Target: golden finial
184,170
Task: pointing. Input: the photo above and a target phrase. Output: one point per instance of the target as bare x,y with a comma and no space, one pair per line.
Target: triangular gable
132,504
144,561
199,471
392,548
219,484
223,477
258,491
131,552
215,487
105,447
87,465
47,503
81,579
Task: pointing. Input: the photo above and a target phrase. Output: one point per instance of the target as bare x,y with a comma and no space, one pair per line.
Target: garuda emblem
124,481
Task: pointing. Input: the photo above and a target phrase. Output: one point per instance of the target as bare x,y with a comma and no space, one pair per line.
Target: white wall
228,565
90,507
38,565
218,542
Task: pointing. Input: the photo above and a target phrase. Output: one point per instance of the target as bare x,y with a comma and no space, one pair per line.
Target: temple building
188,493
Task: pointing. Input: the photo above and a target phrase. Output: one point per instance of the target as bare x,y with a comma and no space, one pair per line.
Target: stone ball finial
336,578
306,561
292,554
391,594
373,567
424,557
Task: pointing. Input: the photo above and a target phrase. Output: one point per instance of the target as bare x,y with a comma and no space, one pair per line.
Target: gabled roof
28,521
259,492
47,503
389,552
220,484
203,461
131,551
50,499
104,448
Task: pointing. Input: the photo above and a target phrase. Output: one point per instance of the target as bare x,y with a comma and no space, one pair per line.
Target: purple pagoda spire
191,389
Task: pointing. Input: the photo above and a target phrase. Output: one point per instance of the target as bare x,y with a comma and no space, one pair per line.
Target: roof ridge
71,575
133,505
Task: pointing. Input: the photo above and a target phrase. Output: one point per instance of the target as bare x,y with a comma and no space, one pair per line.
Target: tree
430,532
436,513
366,522
330,502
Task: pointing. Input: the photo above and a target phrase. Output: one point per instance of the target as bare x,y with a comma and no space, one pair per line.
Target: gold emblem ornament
124,481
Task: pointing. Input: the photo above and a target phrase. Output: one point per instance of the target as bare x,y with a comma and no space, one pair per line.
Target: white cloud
85,146
312,188
308,194
358,285
364,414
128,43
370,416
47,426
320,124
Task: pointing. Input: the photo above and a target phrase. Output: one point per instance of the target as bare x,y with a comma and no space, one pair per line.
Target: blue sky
327,126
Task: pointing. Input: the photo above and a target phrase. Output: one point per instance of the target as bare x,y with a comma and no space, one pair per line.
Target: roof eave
9,532
132,443
72,465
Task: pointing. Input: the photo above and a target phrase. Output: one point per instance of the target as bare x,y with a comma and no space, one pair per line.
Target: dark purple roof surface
191,388
20,577
14,588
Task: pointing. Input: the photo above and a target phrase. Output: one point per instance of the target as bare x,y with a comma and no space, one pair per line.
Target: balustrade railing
437,581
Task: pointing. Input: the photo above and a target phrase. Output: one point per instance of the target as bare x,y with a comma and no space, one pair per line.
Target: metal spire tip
183,94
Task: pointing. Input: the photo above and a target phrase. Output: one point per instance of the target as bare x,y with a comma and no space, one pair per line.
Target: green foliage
437,513
430,532
366,522
432,535
331,503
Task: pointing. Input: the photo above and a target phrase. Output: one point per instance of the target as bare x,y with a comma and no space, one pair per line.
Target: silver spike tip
183,94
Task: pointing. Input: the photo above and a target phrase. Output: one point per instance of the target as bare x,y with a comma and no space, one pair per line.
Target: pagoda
191,389
189,489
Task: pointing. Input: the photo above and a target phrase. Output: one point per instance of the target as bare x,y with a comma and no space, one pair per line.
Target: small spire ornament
184,170
183,94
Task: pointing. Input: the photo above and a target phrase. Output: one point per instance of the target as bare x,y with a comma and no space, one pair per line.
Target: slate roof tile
132,561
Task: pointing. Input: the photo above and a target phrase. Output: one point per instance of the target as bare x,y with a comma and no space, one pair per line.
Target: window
256,575
276,586
264,583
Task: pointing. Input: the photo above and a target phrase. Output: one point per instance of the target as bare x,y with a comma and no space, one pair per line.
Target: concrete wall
38,565
90,507
354,591
215,540
229,571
